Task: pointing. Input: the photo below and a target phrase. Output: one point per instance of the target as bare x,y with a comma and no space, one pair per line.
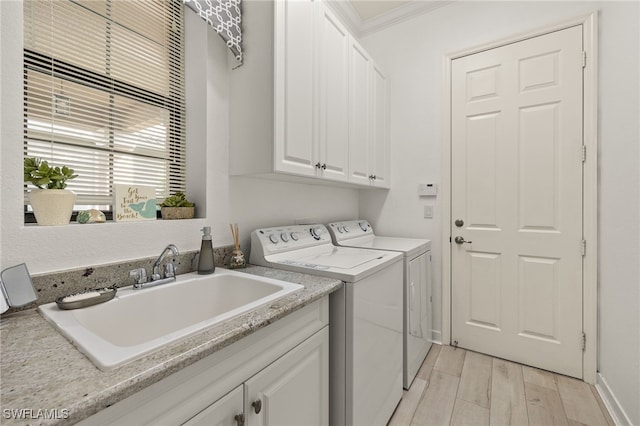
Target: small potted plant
177,207
52,204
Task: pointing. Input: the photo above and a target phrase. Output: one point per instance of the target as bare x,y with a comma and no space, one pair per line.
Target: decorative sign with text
134,203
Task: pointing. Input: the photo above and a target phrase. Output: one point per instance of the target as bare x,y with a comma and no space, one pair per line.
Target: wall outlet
428,212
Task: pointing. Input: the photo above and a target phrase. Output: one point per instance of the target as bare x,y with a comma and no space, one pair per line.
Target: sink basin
137,322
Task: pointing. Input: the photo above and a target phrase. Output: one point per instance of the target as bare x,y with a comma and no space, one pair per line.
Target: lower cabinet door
227,411
294,390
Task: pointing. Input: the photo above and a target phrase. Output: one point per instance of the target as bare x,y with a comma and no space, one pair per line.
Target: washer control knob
294,236
273,238
284,237
346,228
316,232
341,229
363,226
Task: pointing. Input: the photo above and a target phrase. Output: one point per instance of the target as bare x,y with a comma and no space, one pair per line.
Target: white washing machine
417,286
365,378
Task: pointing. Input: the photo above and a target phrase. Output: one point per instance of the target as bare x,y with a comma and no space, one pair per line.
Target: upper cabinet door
359,114
380,154
333,69
294,87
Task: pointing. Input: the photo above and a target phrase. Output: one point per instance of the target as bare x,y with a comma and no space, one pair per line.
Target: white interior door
516,179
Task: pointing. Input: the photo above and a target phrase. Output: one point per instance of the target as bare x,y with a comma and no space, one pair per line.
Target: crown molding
361,28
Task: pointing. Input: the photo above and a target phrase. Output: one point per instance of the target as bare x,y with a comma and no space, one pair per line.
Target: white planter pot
52,206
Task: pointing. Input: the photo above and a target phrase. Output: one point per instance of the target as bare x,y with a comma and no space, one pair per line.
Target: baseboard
436,337
616,411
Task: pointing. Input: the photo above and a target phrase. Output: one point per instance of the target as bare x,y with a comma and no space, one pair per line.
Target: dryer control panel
267,241
341,231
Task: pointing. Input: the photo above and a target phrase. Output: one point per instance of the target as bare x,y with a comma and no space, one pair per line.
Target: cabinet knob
324,166
239,418
318,165
257,406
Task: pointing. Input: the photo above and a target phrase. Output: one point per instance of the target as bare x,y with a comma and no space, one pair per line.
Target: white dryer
417,286
365,321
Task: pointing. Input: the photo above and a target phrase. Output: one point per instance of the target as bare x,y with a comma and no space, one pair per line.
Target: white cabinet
359,114
294,84
278,375
227,411
369,160
333,73
272,96
380,155
291,104
293,390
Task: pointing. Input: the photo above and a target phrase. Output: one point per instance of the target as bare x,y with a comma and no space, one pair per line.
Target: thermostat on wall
427,190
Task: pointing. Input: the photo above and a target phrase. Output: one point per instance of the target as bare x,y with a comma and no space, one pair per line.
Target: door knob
461,240
459,223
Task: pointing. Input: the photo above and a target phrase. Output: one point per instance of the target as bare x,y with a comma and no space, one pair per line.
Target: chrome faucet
140,274
169,269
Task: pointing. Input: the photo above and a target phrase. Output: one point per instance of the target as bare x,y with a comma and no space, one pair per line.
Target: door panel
294,88
359,113
517,184
294,390
222,412
334,96
380,128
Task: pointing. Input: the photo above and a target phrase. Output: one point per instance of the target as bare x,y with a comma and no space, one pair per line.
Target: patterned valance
225,17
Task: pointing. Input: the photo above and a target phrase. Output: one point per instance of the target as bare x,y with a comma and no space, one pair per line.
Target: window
104,93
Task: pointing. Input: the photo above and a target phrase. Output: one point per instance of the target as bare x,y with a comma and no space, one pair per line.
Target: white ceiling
367,16
368,9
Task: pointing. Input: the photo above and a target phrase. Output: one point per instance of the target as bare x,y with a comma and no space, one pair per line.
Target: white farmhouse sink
137,322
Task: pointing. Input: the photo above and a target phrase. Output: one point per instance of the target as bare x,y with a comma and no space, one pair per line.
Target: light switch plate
428,212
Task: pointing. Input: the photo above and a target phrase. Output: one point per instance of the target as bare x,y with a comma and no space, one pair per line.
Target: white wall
412,53
249,202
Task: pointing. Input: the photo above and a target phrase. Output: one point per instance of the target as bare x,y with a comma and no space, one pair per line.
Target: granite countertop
45,380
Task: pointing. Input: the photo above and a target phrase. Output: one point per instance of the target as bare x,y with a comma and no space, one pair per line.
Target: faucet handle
169,270
139,274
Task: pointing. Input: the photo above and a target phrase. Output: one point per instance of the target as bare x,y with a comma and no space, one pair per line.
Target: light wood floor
459,387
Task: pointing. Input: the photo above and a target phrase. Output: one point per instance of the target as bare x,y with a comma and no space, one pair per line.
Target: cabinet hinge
583,341
584,59
583,247
584,153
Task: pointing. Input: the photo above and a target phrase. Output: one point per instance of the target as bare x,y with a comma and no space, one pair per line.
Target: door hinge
584,59
584,153
583,247
583,341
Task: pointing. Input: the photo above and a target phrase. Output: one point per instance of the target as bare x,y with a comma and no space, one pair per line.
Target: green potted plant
52,204
177,207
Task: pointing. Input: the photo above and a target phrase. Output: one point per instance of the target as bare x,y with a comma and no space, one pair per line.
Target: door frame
589,188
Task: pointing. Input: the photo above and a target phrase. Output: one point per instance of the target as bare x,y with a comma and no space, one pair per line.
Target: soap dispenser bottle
205,262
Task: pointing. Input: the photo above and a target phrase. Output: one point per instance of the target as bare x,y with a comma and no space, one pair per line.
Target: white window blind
104,93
